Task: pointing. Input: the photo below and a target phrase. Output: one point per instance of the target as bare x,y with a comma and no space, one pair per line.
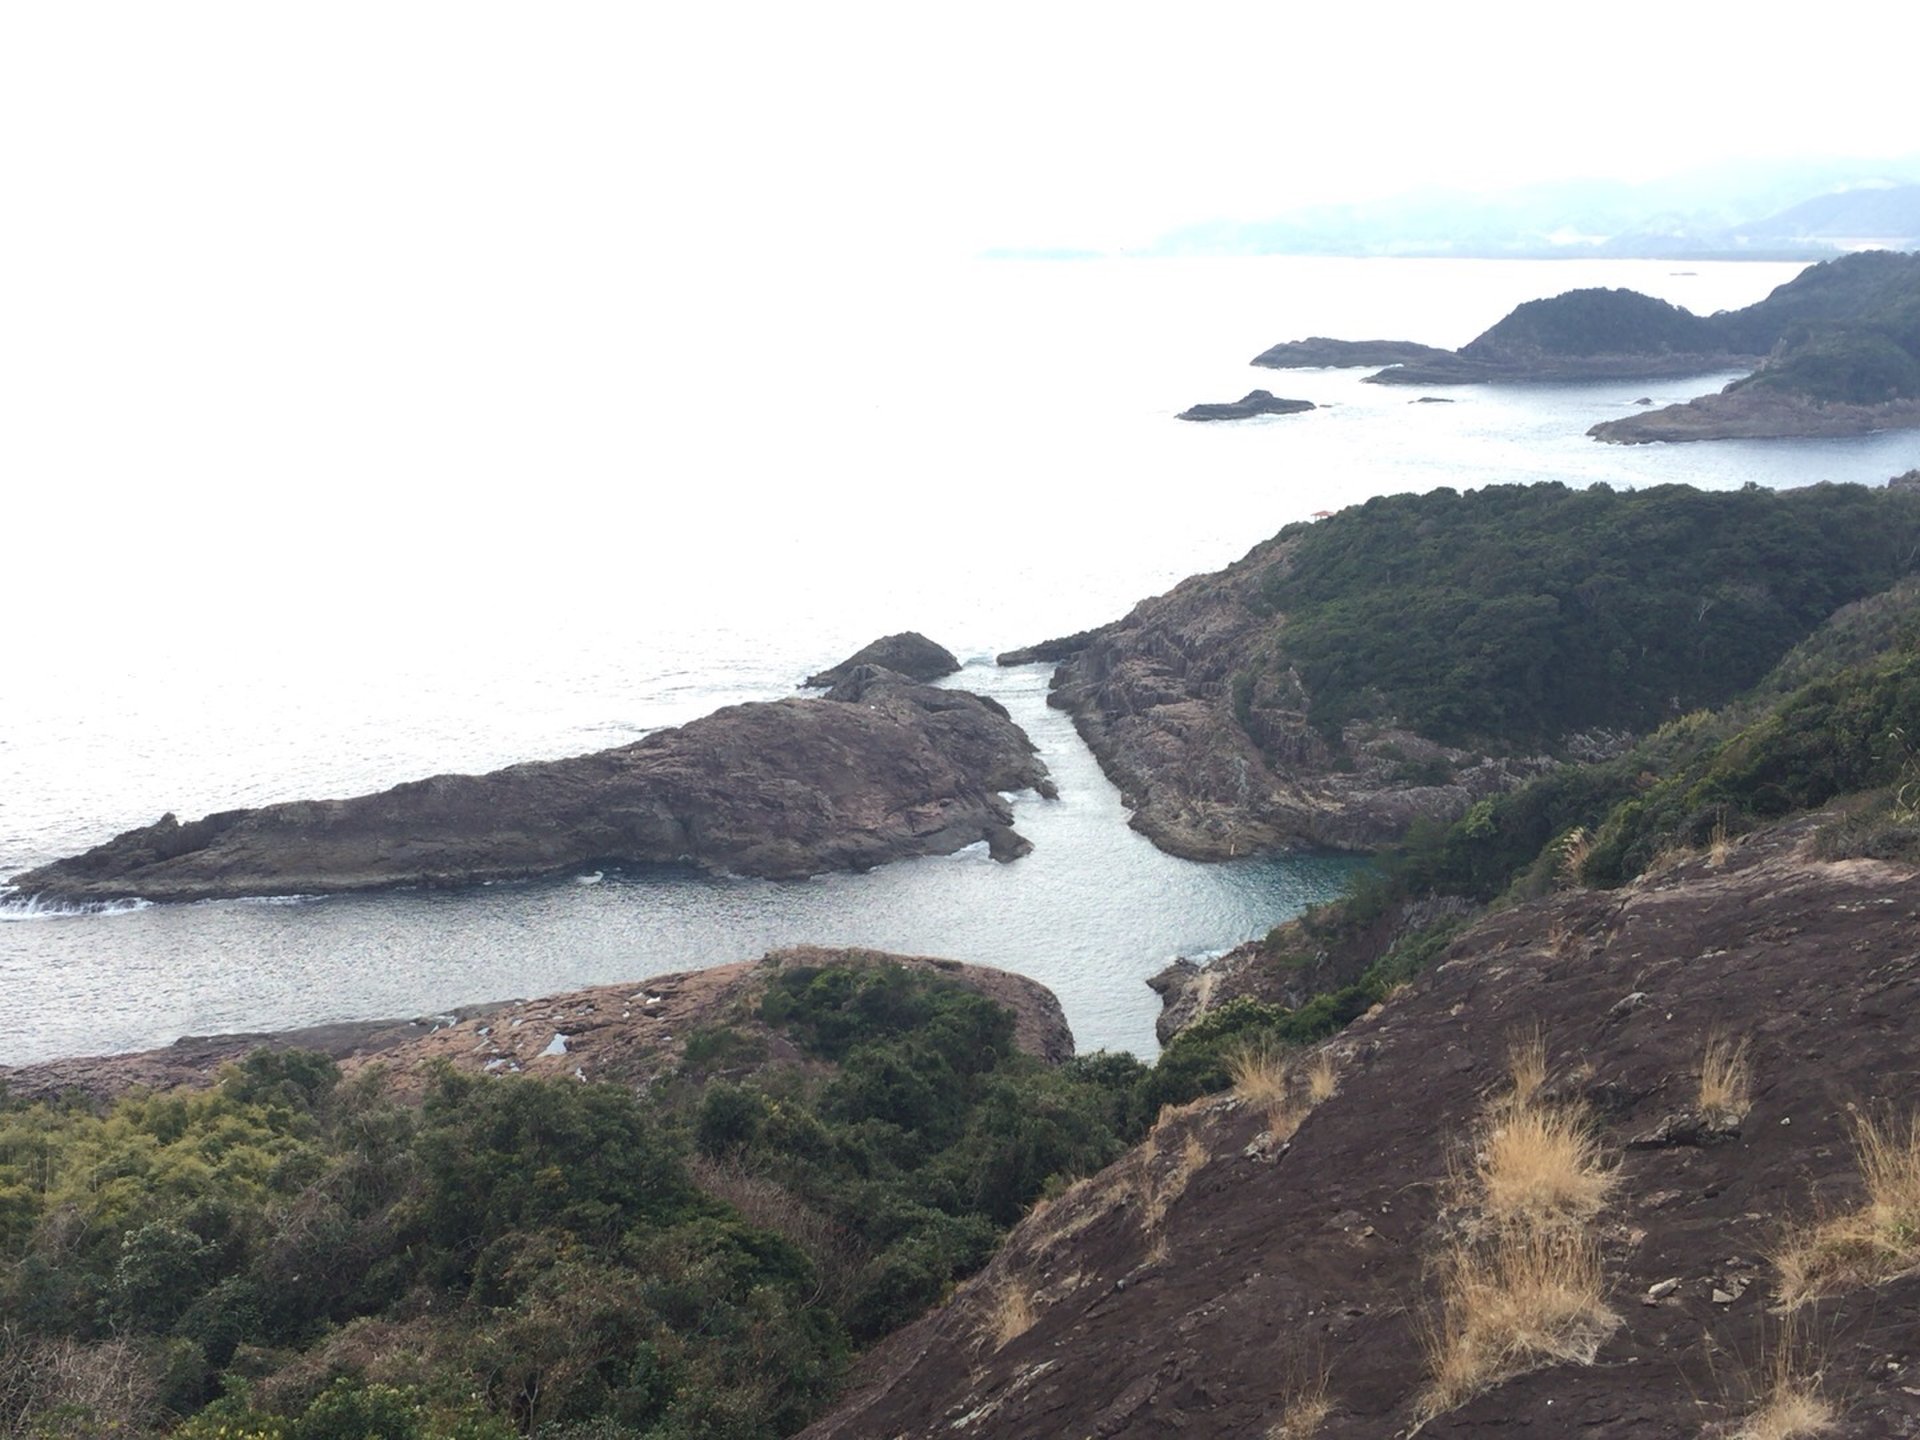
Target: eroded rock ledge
880,769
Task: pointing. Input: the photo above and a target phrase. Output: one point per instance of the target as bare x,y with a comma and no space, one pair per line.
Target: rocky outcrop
1292,964
880,770
909,653
1757,414
1214,763
1210,1282
1254,402
1320,353
630,1033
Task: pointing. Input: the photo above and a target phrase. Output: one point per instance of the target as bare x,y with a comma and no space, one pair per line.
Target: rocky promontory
1254,402
1757,414
879,769
631,1033
909,653
1209,775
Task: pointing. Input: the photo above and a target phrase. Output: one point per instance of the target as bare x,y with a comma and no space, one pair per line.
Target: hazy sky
681,126
285,282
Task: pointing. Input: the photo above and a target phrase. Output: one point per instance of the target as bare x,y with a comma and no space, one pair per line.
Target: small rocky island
1254,402
881,768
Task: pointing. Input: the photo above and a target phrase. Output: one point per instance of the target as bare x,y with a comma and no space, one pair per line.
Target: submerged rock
882,771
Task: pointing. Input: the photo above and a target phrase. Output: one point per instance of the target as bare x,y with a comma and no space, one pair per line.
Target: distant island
1834,351
1254,402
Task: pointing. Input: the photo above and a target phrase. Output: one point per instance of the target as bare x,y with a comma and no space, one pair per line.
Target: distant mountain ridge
1807,212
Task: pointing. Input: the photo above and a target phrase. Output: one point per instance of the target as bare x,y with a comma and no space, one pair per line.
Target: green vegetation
297,1258
1597,322
1517,614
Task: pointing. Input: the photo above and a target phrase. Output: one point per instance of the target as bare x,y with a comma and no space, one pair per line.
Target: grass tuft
1791,1406
1544,1166
1529,1298
1305,1410
1527,1065
1260,1075
1011,1314
1726,1080
1323,1077
1874,1243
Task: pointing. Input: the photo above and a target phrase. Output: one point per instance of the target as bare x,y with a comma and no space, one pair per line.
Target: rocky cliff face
1215,763
879,770
629,1033
1258,1253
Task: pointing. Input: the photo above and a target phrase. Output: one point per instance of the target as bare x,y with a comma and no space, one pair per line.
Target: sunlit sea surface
510,566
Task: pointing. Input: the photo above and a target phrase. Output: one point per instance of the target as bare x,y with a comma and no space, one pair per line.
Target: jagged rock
909,653
793,787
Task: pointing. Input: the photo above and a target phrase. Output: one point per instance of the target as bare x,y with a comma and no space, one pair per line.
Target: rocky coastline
1211,776
879,769
1754,413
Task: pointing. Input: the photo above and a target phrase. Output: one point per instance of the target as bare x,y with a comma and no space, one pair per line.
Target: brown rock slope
1212,1281
628,1033
879,770
1154,697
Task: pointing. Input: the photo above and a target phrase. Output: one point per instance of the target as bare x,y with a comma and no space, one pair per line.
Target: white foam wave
37,907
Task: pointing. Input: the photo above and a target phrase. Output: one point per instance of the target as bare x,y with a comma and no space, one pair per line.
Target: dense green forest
292,1254
1518,613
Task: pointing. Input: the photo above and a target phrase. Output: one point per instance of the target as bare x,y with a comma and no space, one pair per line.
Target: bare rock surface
629,1033
881,771
1209,778
909,653
1197,1286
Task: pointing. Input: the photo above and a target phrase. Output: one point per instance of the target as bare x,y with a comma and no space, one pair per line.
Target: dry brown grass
1575,846
1158,1191
1791,1406
1719,843
1323,1077
1306,1408
1726,1079
1526,1065
1261,1075
1010,1313
1527,1298
1876,1242
1542,1165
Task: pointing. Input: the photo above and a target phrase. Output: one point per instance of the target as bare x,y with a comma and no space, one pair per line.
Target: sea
424,548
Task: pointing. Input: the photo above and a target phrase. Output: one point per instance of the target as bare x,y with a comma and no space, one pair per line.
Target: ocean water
543,540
